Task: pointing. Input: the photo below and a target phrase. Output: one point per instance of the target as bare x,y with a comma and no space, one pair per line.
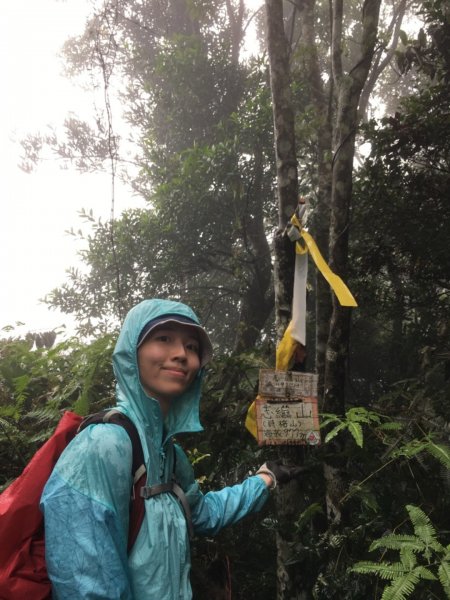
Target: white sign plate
287,385
287,423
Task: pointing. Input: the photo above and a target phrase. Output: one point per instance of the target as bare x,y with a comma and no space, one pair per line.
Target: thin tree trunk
349,87
322,98
379,65
286,161
289,497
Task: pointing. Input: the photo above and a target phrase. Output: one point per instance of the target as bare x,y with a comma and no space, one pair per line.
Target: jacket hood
131,397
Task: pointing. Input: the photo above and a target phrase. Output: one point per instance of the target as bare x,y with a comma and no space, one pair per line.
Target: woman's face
168,361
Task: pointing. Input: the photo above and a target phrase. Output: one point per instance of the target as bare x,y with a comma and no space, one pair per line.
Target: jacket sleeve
86,511
215,510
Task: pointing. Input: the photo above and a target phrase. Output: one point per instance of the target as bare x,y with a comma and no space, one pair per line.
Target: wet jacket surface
86,500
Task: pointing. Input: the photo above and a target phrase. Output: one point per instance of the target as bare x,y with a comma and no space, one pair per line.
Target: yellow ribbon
285,350
342,292
250,419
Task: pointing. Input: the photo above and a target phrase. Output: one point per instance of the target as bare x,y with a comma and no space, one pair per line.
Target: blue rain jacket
86,500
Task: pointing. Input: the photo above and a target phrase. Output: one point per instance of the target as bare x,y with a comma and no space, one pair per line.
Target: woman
158,363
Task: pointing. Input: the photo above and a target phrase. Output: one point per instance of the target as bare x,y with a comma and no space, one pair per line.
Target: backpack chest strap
171,487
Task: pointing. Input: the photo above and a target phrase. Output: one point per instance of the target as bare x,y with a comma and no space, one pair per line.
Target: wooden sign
287,422
287,385
286,408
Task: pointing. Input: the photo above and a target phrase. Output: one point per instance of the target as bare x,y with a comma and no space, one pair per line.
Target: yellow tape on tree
285,350
342,292
250,420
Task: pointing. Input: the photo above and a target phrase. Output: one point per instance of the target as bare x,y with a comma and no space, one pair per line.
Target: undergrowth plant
421,558
38,383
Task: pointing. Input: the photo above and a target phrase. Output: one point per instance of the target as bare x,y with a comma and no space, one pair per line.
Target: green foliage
421,555
352,421
440,452
37,384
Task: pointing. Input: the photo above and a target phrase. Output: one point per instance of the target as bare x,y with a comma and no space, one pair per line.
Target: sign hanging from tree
286,408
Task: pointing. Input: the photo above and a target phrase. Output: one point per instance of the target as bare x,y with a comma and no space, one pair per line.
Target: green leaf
444,576
425,573
408,558
390,426
423,527
396,541
333,433
356,431
411,449
402,587
21,386
327,418
384,570
440,452
362,415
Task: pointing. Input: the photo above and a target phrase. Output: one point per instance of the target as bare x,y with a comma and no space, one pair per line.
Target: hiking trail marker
286,408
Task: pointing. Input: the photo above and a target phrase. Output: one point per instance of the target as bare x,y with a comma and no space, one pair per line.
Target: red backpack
23,573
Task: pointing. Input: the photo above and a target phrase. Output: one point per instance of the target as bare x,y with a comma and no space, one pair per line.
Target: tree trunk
257,300
322,98
286,161
289,498
349,87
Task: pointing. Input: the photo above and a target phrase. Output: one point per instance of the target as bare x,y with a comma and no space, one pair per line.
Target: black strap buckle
173,488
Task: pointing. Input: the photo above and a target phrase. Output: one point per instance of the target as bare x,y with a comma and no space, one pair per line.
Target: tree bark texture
289,498
348,87
286,161
379,63
321,95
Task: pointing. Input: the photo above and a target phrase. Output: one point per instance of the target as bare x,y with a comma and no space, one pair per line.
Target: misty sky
37,209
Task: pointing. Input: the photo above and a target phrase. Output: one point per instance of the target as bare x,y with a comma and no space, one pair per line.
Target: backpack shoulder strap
118,418
137,507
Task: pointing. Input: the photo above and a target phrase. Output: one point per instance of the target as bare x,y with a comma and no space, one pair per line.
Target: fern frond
7,425
362,415
440,452
423,527
410,449
21,390
47,413
396,541
408,558
327,418
333,433
402,587
390,426
384,570
357,433
444,576
425,573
